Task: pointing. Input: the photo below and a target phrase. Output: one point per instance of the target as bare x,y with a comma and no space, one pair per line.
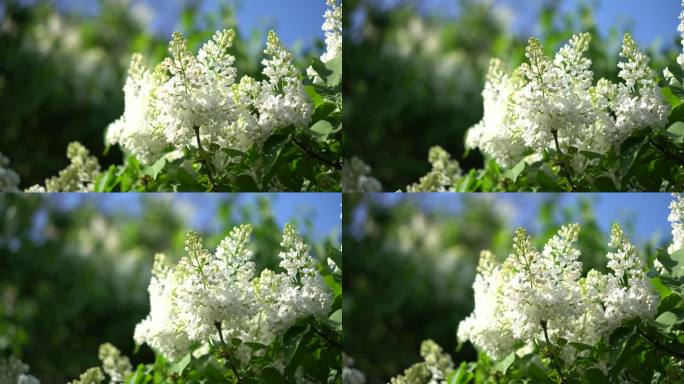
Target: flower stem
326,338
555,358
217,324
317,156
661,346
204,159
665,152
566,172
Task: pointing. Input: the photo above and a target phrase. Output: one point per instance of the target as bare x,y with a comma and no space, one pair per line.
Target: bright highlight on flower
206,296
553,101
187,100
537,293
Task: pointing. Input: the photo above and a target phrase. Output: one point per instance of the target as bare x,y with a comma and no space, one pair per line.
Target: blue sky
296,21
650,20
322,208
646,211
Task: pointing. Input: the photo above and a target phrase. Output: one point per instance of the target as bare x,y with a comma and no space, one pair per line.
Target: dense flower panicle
78,176
443,176
484,327
629,293
434,369
138,129
90,376
356,177
114,364
188,96
547,100
14,371
333,31
9,180
531,290
206,293
676,218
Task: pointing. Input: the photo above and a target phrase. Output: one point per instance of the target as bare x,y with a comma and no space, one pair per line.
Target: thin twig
230,360
326,338
204,159
553,353
318,157
661,346
667,154
564,166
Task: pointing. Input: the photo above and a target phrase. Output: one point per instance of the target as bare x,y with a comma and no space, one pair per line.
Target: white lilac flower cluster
14,371
444,174
356,177
208,296
676,217
435,368
78,176
332,26
553,101
193,101
9,180
533,293
115,365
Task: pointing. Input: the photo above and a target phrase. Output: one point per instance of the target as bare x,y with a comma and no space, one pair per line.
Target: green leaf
245,183
676,115
154,169
514,172
232,152
316,98
271,375
461,375
336,316
322,129
676,132
666,320
506,363
180,366
335,67
677,264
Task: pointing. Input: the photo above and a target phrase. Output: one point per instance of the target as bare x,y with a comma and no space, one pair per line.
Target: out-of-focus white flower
350,375
206,292
9,180
546,99
14,371
356,177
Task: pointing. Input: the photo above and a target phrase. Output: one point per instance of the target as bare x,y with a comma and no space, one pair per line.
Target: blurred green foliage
62,74
413,79
74,275
410,266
